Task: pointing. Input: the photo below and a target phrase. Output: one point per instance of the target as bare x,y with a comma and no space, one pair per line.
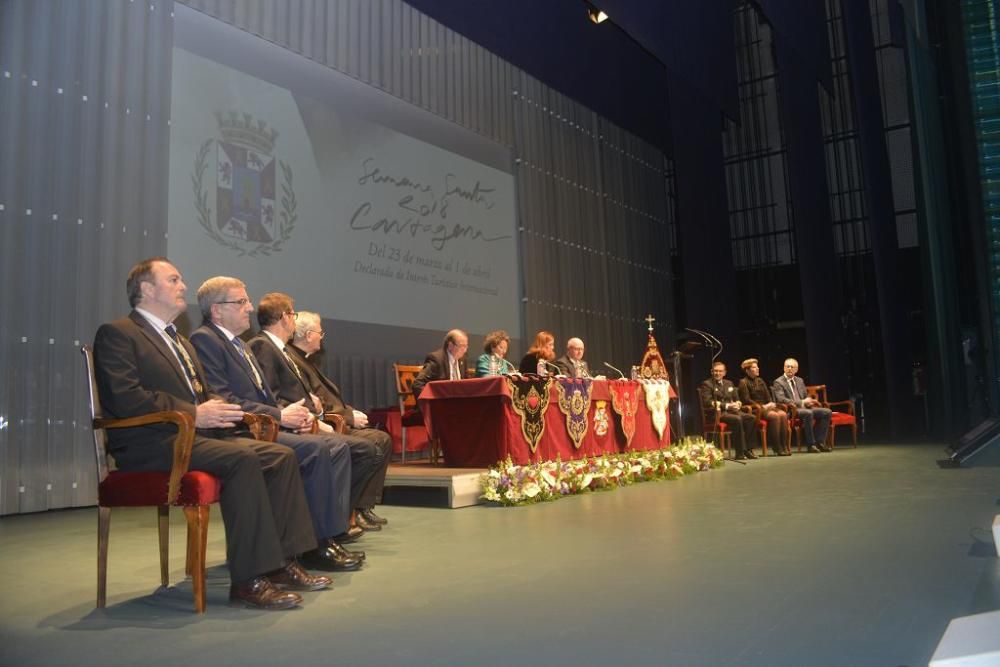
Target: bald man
572,364
789,388
447,363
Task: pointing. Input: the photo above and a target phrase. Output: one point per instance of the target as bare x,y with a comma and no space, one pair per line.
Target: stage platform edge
461,484
970,641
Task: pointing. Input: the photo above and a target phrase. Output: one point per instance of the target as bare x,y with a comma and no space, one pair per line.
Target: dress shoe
741,457
750,455
346,553
822,448
293,577
352,535
260,593
329,560
813,449
365,524
371,517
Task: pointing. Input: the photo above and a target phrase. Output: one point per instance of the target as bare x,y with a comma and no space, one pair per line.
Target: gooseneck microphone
551,365
615,370
512,367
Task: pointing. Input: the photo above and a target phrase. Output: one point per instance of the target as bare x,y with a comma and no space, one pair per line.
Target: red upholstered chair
192,490
715,430
409,414
837,418
761,429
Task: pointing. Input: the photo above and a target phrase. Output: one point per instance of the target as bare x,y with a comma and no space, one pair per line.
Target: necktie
795,391
258,382
186,363
454,370
295,369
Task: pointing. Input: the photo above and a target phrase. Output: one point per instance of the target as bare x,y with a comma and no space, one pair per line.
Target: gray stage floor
859,557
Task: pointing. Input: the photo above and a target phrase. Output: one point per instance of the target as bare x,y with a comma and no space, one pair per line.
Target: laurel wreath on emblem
288,215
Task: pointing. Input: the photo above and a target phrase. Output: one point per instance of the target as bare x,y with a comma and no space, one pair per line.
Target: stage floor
859,557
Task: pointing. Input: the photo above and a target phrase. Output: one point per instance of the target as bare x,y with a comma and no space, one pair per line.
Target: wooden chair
335,420
194,490
715,430
409,414
837,418
761,429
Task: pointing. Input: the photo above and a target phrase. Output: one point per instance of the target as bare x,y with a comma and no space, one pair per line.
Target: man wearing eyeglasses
306,343
276,316
445,363
143,365
572,364
233,373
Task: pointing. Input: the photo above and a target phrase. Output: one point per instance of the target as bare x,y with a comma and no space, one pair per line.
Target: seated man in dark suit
143,365
233,373
447,363
306,342
815,419
718,392
572,364
276,316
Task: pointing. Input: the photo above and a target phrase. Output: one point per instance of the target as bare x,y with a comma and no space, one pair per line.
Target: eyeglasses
294,315
322,334
240,302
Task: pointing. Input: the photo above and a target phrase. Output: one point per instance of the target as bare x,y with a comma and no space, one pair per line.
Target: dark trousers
365,461
743,427
263,505
382,442
815,424
325,467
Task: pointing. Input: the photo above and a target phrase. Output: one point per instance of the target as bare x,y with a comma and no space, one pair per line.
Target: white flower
532,489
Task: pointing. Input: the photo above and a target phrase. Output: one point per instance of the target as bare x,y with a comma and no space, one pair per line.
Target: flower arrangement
509,484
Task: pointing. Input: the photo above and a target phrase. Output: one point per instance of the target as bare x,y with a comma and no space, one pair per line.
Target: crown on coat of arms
244,132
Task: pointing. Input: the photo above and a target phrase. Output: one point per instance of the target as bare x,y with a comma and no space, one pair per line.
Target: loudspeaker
979,447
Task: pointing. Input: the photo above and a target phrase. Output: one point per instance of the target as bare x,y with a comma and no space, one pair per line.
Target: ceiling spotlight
596,15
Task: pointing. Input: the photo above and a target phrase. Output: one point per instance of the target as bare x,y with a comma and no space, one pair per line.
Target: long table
477,425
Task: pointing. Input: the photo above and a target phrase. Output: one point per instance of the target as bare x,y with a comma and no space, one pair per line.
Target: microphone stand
558,372
615,370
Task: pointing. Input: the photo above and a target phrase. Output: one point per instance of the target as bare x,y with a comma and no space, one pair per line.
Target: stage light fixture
596,15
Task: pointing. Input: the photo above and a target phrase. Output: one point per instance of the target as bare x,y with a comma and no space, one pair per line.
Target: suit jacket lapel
157,341
241,362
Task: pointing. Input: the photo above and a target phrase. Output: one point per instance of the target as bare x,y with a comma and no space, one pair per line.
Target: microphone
512,367
615,370
558,372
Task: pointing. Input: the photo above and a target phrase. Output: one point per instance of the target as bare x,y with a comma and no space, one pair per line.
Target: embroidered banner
601,418
574,402
529,396
625,401
657,401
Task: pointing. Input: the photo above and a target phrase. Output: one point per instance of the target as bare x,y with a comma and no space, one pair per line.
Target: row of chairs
193,490
716,430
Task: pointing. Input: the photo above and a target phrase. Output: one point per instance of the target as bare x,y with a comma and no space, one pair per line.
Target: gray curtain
84,113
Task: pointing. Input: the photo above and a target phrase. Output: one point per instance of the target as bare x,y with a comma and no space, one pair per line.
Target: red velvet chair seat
142,489
842,419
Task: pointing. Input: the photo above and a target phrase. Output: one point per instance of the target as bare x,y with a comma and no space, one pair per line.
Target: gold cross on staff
649,320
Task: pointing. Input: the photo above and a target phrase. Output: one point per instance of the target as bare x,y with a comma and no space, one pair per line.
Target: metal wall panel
84,110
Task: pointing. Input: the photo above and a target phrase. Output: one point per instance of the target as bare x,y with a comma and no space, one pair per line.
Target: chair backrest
817,391
96,412
710,419
405,375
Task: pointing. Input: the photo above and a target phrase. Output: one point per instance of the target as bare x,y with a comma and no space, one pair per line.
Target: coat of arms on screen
255,206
